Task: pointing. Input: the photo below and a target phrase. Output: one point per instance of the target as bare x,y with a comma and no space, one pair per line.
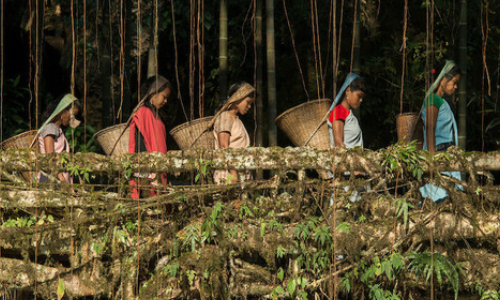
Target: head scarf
156,87
66,101
240,94
347,82
447,68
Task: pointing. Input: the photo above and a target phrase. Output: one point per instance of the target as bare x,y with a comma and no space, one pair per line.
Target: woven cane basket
301,121
23,141
405,125
187,135
108,137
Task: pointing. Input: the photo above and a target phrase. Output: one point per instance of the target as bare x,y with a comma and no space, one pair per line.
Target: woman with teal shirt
440,126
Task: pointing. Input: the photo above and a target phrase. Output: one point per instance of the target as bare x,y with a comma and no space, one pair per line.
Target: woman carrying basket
148,133
58,115
229,131
344,126
440,126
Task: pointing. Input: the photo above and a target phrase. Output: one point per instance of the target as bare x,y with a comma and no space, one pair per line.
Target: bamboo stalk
223,51
462,89
271,73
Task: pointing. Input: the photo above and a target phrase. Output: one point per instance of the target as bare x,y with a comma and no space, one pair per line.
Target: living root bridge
243,159
280,237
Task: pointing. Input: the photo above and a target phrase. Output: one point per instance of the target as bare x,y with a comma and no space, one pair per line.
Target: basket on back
187,135
108,137
300,122
23,141
408,124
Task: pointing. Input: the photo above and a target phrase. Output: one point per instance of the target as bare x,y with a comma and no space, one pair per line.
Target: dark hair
358,84
52,106
146,86
453,72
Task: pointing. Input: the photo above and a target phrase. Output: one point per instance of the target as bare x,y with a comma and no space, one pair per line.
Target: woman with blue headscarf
343,125
440,126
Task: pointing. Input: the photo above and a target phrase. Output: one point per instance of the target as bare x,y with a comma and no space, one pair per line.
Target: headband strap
240,94
347,82
447,68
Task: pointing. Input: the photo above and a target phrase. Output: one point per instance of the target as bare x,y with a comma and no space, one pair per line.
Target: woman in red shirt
148,132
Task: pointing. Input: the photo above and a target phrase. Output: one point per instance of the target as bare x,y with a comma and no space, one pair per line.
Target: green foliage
378,293
60,289
245,211
84,173
203,169
402,208
403,160
490,295
426,264
171,270
210,225
14,110
344,227
81,139
19,222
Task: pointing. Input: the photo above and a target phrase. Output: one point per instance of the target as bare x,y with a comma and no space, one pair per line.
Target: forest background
100,50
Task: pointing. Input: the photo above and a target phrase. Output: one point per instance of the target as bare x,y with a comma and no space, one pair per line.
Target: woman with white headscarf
58,115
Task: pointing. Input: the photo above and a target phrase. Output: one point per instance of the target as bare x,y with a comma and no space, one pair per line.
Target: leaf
279,290
291,286
60,289
344,226
263,229
281,274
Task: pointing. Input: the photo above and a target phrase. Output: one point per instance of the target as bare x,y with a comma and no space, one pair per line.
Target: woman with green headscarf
58,115
440,126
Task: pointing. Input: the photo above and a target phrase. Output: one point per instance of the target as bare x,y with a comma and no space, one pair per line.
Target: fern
402,208
490,294
426,264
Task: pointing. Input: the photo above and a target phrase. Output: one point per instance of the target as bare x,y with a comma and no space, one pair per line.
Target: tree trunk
126,93
271,73
275,158
105,67
462,89
356,49
223,51
259,105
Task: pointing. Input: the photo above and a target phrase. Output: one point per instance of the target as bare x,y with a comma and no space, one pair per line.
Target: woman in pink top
58,115
229,131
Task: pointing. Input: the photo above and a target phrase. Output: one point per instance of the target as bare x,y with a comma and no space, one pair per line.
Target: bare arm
338,133
48,142
224,143
431,113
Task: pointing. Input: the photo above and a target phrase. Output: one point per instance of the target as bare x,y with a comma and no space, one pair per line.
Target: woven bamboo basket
187,135
301,121
405,125
108,136
23,141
